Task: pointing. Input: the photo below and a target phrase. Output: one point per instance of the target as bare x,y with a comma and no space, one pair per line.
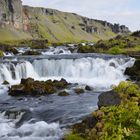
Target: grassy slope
56,28
60,29
12,34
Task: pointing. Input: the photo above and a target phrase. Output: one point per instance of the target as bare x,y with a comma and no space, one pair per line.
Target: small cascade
92,71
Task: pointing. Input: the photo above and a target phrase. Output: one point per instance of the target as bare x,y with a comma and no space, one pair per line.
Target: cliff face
11,13
28,22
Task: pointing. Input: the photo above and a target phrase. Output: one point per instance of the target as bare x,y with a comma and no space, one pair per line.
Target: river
49,117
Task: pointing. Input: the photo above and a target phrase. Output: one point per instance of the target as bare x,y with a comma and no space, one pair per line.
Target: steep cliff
20,22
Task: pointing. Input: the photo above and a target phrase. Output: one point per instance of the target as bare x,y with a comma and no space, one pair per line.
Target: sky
126,12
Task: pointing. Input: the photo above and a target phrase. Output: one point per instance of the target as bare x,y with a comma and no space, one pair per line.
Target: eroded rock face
11,13
31,87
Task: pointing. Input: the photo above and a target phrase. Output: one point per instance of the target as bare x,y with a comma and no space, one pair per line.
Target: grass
12,35
73,137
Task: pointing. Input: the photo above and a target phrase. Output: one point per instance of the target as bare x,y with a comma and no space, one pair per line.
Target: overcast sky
125,12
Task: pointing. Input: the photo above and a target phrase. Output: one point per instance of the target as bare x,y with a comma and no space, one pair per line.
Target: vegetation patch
116,122
122,44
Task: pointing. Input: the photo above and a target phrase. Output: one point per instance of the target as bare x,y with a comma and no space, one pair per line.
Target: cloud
116,11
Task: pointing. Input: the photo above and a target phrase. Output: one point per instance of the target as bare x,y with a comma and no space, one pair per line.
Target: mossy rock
1,53
5,83
31,87
86,49
79,90
31,53
60,84
12,50
63,93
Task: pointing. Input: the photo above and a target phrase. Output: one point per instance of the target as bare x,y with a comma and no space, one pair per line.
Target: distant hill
23,22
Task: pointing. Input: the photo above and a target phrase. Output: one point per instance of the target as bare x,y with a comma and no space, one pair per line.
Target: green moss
120,45
1,53
73,137
115,50
86,49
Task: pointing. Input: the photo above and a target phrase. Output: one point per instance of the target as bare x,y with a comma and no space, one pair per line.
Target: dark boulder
88,88
109,98
134,72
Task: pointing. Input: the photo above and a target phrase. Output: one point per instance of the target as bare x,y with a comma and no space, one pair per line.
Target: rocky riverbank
134,72
120,116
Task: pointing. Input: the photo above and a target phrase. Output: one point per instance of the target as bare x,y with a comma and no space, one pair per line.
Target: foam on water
29,131
58,50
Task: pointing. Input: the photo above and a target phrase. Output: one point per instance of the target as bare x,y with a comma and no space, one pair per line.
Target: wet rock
63,93
31,53
88,88
31,87
13,114
12,49
109,98
17,90
134,72
60,84
112,65
8,48
5,83
27,81
79,90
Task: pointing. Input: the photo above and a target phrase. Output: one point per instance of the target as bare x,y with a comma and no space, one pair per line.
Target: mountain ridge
19,21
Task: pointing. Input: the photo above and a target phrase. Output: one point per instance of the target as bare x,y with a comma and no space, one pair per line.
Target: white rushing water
58,50
95,72
28,131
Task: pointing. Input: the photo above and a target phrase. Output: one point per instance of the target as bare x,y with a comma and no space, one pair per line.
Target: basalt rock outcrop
21,22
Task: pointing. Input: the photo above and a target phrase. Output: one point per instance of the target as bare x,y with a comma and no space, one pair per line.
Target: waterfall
84,70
